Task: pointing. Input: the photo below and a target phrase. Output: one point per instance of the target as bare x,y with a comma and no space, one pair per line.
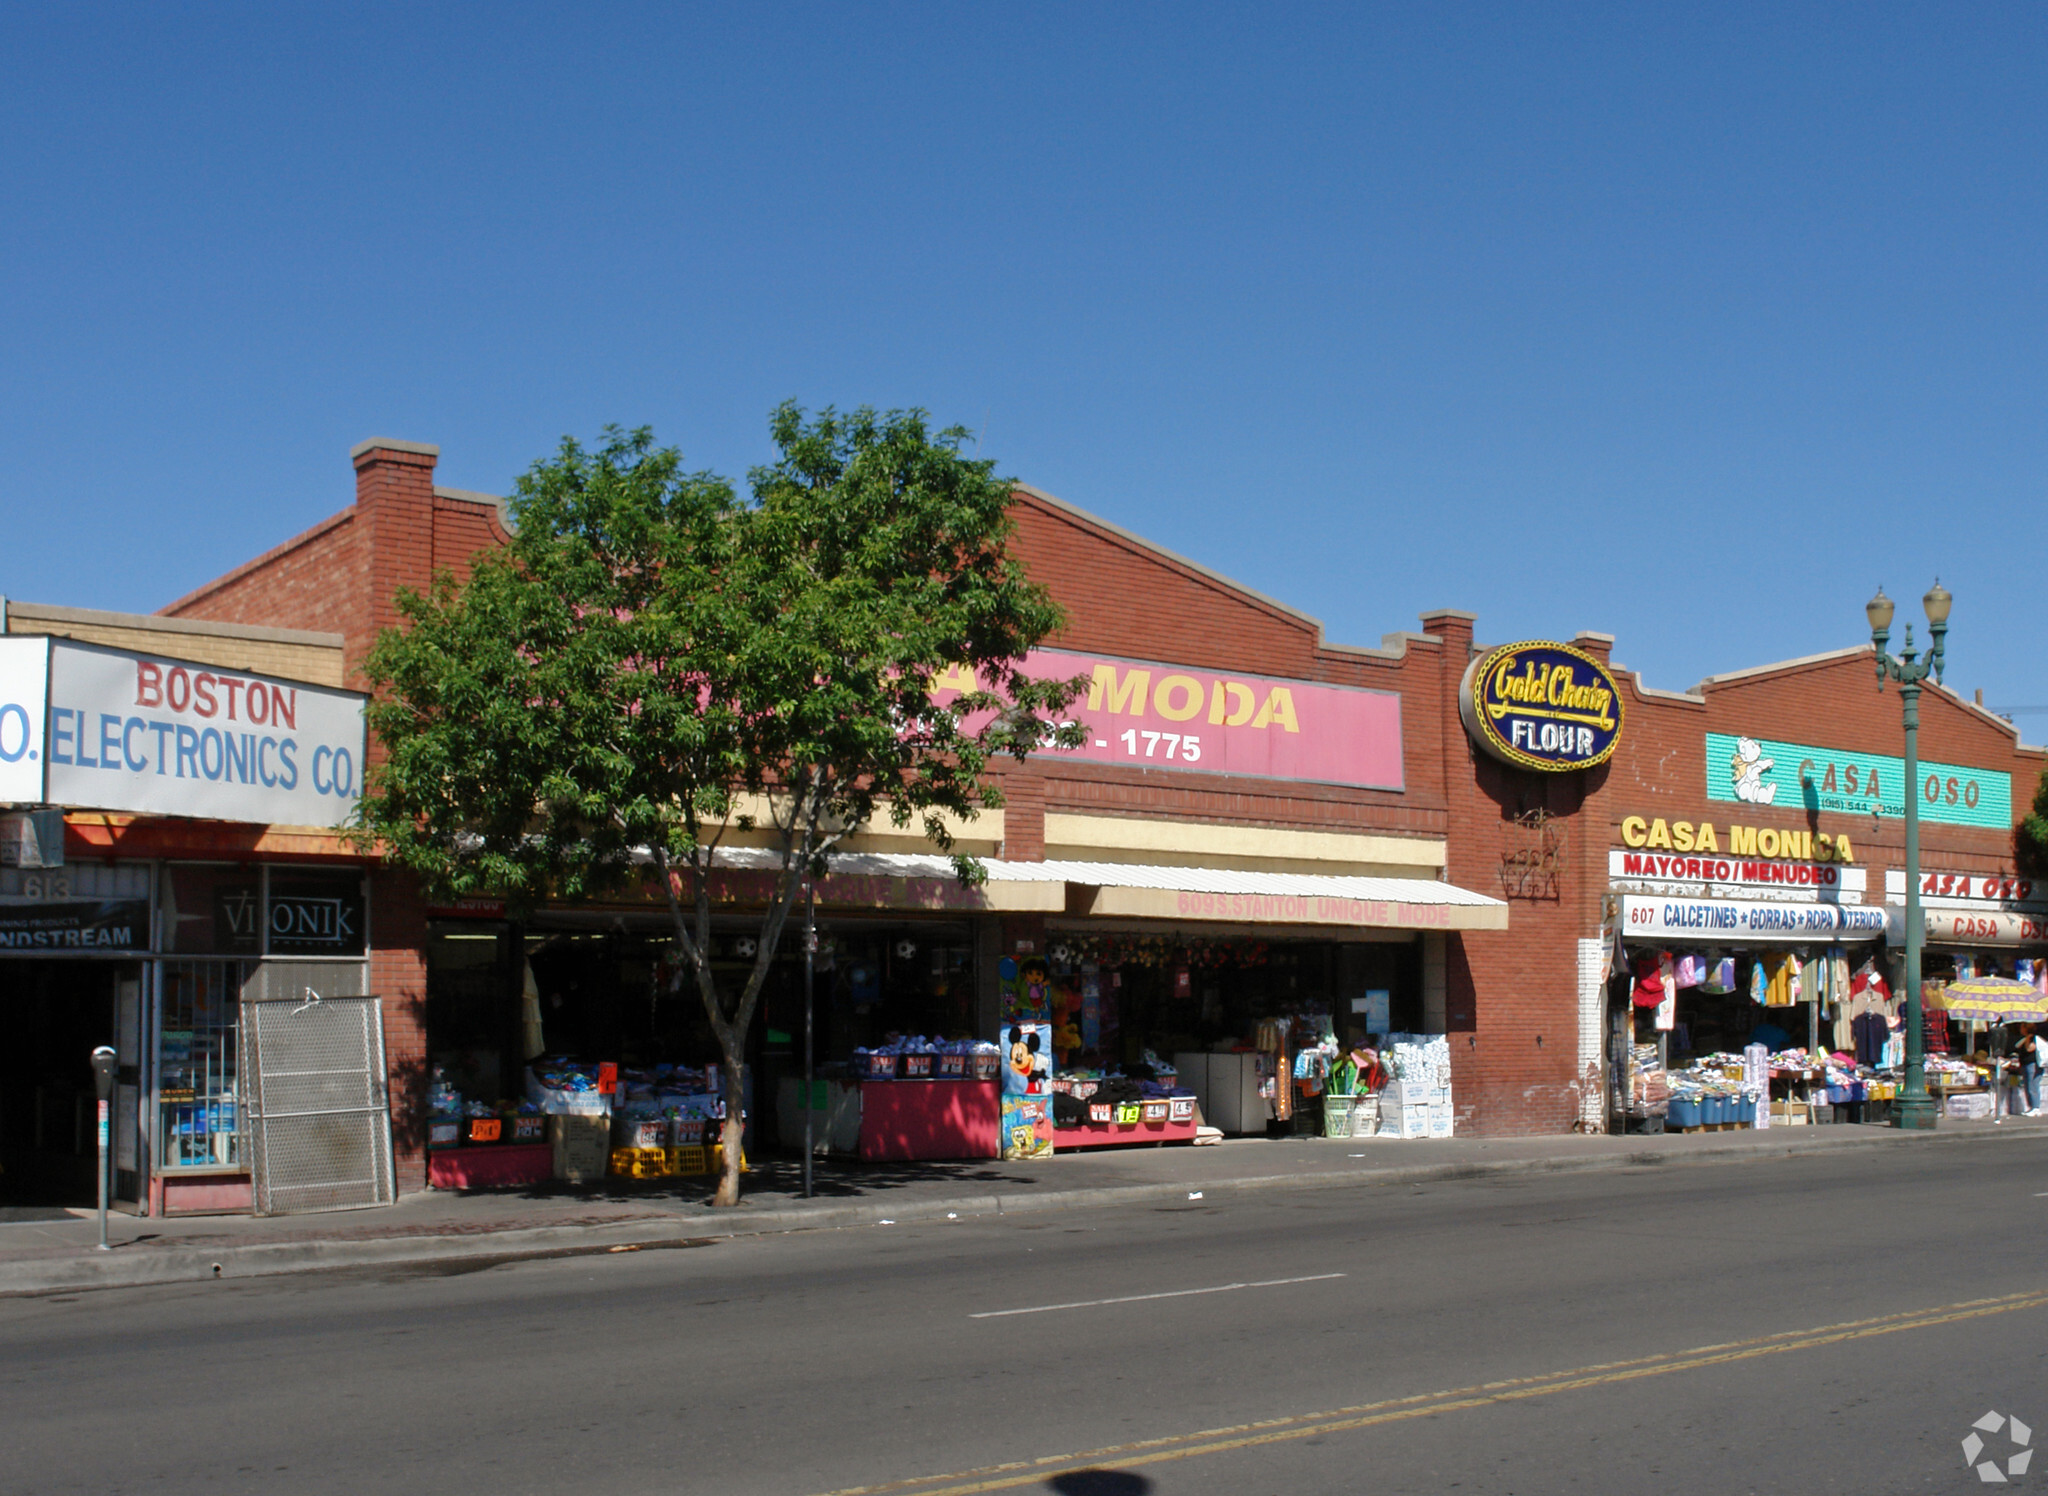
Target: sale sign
1155,716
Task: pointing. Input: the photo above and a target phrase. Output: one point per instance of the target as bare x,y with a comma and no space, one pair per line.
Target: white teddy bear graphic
1749,767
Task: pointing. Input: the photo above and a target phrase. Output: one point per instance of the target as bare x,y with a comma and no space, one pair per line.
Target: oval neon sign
1541,705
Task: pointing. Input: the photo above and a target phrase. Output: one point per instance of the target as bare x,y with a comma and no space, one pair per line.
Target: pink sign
1213,722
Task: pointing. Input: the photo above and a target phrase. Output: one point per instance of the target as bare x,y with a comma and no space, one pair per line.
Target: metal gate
319,1122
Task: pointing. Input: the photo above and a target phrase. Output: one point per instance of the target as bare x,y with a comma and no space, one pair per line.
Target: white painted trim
1125,834
156,623
1783,665
390,444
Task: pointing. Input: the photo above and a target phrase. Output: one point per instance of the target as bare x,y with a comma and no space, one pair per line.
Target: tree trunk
733,1131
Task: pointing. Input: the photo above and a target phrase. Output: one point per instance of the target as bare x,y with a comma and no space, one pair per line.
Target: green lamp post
1915,1108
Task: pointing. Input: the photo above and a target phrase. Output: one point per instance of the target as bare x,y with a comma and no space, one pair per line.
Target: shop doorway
55,1013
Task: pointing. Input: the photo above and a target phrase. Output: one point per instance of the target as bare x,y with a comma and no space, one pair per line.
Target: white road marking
1139,1298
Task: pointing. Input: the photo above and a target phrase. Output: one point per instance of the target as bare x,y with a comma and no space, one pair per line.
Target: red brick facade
1512,998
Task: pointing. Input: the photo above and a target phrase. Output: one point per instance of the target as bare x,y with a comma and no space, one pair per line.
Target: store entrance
55,1012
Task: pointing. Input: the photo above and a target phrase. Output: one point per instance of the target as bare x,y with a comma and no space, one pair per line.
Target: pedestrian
2033,1053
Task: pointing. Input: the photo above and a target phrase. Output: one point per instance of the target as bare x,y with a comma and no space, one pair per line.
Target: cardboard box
582,1147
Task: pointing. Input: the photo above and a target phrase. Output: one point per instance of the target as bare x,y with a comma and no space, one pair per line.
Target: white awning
1126,890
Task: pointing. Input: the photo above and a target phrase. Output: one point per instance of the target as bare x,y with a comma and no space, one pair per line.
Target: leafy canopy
650,647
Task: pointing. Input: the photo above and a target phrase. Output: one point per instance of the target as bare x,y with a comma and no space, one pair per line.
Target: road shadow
767,1181
1099,1483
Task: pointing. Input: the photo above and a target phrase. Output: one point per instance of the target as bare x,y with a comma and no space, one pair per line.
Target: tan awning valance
1123,890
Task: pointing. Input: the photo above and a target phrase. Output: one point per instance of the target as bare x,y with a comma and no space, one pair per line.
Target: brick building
1341,842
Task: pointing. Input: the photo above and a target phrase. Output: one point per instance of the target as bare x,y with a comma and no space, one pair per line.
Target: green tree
655,663
2030,837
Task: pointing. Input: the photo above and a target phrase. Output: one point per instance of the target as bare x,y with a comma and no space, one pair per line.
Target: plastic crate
952,1067
1154,1111
1101,1111
526,1129
1337,1112
882,1066
918,1066
639,1163
1180,1108
688,1160
1128,1113
1365,1116
444,1132
985,1066
477,1131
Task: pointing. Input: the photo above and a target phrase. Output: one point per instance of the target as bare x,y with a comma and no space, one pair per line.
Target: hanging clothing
1934,1030
1650,981
1721,979
1782,981
1870,1032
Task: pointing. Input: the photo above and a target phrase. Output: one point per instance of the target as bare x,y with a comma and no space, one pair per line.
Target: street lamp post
1914,1108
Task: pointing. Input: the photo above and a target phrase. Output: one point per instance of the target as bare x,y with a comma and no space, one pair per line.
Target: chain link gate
319,1120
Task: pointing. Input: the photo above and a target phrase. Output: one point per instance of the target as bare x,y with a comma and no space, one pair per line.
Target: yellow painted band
1425,1405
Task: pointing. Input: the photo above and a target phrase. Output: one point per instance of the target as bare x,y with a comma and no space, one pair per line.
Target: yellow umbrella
1991,1000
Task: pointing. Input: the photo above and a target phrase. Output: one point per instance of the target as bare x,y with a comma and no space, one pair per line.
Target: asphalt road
1807,1325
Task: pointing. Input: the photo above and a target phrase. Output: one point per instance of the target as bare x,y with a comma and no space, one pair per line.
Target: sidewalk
49,1250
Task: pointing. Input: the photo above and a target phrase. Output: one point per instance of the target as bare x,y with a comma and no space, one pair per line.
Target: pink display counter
1121,1134
478,1168
911,1120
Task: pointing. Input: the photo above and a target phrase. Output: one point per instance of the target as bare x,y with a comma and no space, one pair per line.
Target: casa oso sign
1541,705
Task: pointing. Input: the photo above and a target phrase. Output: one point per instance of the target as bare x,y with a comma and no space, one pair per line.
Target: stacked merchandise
456,1122
566,1088
1351,1109
1960,1084
1710,1092
914,1057
1079,1099
664,1118
1417,1100
1649,1091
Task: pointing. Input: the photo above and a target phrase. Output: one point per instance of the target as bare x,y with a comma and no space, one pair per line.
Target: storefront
920,986
113,937
1973,926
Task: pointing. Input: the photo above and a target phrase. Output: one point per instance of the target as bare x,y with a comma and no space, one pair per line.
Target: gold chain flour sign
1540,705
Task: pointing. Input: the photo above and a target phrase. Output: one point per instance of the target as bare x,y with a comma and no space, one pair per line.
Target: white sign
1978,926
1812,880
1723,921
1945,890
136,732
24,675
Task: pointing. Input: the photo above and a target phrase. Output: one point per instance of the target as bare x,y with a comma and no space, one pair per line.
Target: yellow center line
1429,1404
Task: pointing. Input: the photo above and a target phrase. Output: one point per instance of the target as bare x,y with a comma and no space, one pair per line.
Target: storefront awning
910,880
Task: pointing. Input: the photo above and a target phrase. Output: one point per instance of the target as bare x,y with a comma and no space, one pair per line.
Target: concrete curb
162,1266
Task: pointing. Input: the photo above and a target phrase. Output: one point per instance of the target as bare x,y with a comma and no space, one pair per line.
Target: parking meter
103,1082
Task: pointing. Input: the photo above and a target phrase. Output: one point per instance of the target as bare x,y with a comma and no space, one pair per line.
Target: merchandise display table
1122,1134
930,1120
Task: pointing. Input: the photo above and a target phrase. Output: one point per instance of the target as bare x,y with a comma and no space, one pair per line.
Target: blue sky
1687,326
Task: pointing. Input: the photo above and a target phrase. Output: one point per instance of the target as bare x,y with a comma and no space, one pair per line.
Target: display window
198,1047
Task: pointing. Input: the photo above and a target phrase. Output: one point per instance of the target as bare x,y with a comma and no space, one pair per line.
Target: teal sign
1799,776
